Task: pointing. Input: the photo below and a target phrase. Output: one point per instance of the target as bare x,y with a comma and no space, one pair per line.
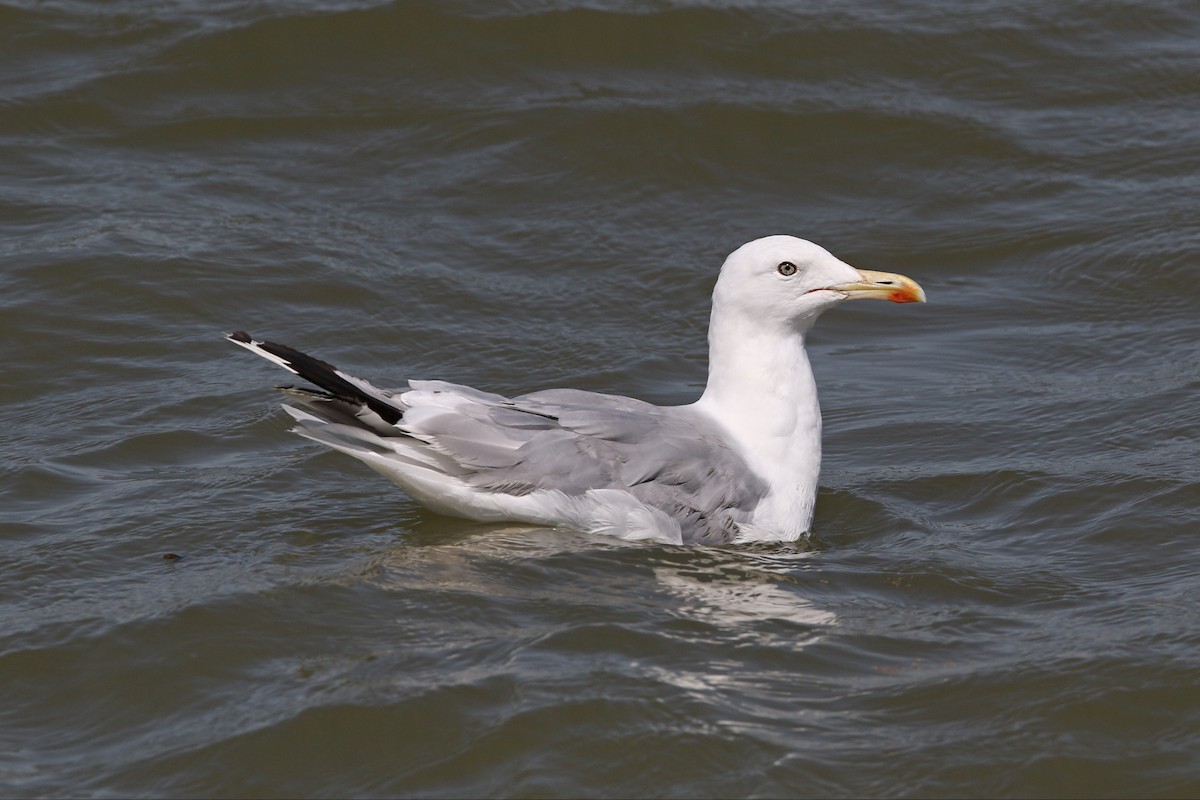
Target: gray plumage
564,440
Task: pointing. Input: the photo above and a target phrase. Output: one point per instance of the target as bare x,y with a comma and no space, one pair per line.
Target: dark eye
786,268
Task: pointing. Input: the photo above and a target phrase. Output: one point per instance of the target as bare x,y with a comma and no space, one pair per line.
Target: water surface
1000,597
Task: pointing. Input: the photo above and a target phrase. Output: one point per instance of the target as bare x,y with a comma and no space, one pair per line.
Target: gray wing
569,440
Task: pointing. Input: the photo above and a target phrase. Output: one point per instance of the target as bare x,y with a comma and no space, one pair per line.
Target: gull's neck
762,392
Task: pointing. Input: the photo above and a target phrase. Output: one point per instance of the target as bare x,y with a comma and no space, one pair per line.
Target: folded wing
483,456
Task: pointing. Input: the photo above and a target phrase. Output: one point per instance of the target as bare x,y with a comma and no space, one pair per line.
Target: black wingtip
321,373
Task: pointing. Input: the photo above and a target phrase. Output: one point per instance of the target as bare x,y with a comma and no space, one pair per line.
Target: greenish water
1001,597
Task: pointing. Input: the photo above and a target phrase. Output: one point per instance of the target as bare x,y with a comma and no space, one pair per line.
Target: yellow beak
882,286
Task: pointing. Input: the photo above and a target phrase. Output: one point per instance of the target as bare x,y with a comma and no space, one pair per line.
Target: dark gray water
1001,596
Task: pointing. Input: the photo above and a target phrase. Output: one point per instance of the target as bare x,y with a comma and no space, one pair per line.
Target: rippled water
1000,597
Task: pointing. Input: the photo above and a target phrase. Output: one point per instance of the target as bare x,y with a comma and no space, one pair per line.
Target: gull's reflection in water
761,590
733,588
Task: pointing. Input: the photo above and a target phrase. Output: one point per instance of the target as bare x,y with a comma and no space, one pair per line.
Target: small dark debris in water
172,557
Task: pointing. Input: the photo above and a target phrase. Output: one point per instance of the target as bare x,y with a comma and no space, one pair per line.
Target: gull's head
789,281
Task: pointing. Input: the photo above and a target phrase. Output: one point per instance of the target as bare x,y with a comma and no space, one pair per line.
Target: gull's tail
352,416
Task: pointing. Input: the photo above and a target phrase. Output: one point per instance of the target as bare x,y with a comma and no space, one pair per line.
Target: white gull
740,464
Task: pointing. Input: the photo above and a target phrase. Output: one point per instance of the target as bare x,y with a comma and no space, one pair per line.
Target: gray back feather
571,441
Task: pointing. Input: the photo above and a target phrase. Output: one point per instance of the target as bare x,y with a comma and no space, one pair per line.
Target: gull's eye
786,268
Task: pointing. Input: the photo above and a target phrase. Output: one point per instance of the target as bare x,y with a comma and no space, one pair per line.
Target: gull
740,464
